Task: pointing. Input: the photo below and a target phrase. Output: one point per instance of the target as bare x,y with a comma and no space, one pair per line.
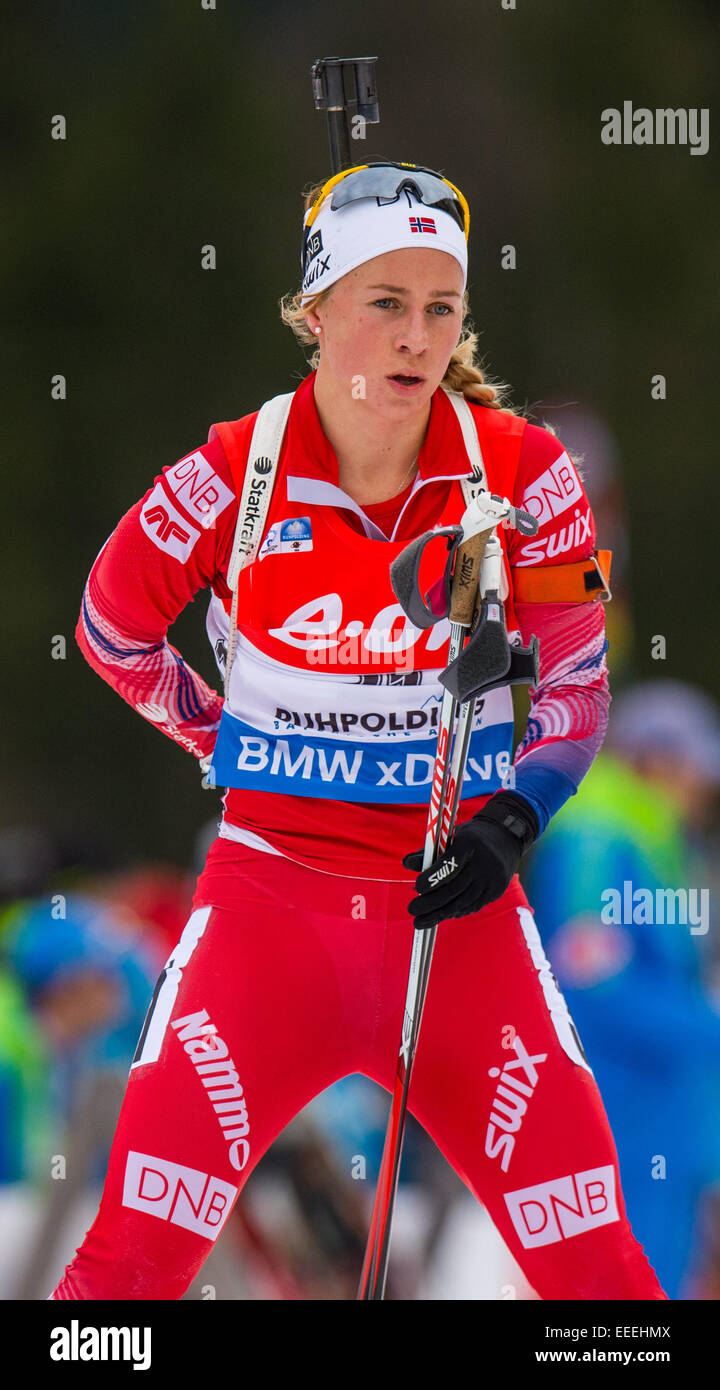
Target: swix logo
447,812
554,491
262,465
166,527
510,1101
564,1207
422,224
317,270
318,626
467,571
568,538
438,779
442,873
436,793
173,1192
216,1069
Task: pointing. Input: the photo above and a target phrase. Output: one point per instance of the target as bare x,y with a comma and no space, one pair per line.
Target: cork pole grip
465,577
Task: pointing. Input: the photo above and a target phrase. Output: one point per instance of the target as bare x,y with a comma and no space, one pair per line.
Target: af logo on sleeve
201,497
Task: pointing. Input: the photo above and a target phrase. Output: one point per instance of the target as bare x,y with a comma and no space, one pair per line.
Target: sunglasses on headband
387,181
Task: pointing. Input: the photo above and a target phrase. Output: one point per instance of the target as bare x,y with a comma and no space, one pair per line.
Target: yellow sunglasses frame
336,178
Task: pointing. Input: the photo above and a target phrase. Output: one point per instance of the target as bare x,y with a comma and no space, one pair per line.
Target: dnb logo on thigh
173,1192
563,1207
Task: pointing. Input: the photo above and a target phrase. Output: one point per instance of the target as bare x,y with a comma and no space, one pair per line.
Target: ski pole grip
466,576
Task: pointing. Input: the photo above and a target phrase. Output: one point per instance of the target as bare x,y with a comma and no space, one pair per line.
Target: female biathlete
291,971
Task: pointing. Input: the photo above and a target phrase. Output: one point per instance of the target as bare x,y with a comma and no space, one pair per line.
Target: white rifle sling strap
478,483
263,457
265,447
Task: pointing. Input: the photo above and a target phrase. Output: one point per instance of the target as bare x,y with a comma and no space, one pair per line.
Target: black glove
478,864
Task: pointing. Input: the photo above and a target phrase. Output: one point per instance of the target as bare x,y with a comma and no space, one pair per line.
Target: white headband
342,240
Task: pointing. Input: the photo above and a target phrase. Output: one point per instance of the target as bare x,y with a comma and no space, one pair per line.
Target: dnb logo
201,495
175,1193
314,246
262,466
564,1207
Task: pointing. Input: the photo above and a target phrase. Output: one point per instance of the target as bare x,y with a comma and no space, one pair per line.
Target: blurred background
189,126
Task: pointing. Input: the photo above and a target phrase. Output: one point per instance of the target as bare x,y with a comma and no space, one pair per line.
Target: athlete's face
400,313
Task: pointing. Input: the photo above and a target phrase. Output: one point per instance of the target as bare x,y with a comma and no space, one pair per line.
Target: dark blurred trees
187,127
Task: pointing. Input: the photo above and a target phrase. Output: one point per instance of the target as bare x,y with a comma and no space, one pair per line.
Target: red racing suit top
326,743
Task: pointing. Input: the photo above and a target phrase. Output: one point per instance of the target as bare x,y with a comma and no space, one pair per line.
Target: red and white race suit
292,968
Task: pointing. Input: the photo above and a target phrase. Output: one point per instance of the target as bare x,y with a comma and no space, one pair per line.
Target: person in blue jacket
86,983
629,956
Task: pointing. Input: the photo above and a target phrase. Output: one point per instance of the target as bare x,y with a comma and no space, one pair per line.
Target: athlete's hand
478,864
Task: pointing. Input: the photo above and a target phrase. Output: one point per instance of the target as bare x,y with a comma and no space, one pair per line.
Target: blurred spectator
160,898
589,438
87,980
23,1084
631,971
75,983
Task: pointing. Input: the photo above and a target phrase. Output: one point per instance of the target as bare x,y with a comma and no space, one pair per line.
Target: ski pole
475,608
447,774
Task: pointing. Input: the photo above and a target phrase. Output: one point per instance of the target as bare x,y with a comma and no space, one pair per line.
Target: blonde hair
464,372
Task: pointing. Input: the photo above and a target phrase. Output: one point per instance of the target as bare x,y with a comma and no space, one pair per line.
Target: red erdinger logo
320,629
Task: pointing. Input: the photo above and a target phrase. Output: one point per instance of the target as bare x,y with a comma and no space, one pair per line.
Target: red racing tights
286,979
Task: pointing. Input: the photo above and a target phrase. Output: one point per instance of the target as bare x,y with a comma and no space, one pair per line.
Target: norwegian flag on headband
423,224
